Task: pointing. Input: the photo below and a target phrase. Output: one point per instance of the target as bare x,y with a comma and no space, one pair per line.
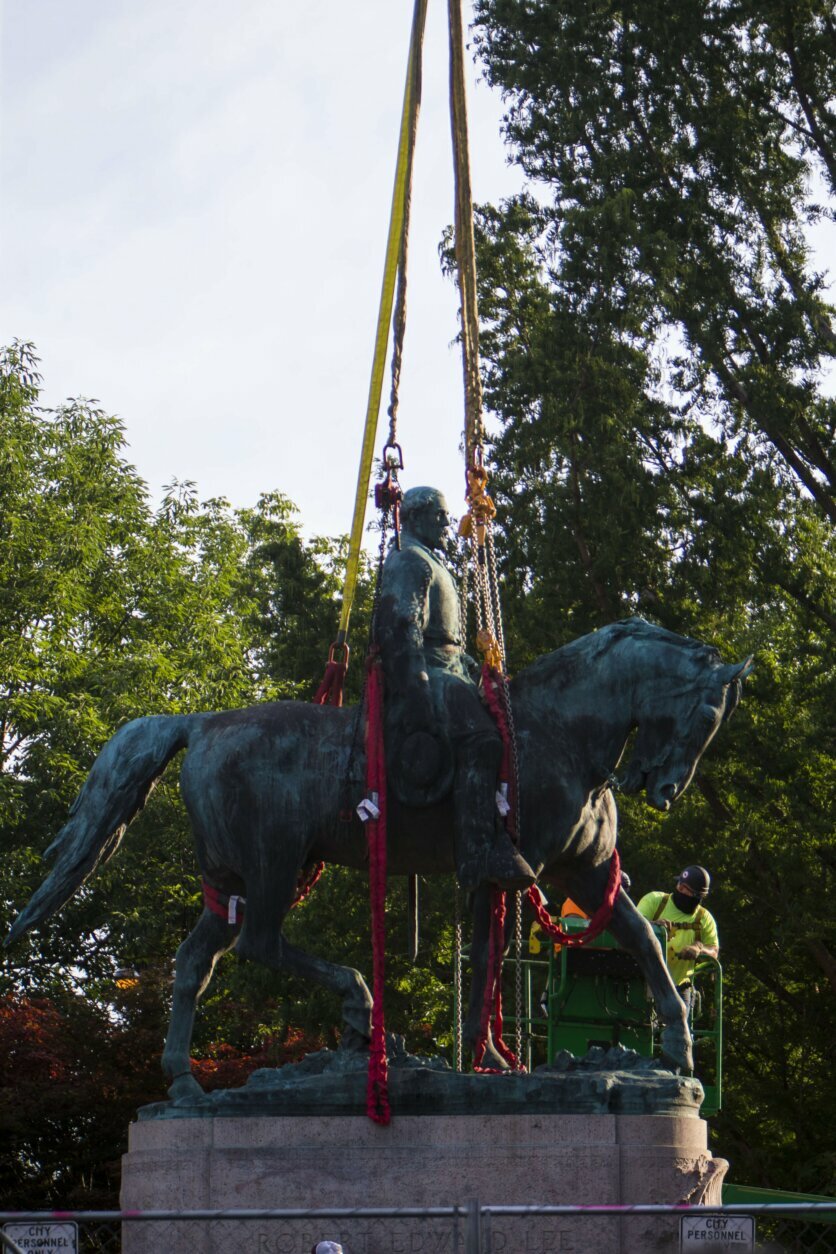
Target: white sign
60,1238
716,1232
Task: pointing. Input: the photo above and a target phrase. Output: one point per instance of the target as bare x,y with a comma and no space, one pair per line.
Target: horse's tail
114,792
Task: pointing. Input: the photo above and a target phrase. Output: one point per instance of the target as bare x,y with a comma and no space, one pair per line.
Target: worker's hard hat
697,879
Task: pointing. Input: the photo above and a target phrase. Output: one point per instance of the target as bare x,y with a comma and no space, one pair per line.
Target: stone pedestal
419,1160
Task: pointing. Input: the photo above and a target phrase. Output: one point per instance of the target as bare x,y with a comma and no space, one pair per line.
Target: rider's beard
686,904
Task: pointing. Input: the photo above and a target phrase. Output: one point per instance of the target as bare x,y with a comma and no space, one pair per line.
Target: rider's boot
506,866
496,862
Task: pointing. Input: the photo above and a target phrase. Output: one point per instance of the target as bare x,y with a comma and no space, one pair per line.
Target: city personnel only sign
716,1232
47,1238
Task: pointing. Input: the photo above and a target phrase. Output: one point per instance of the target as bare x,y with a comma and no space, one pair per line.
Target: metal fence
472,1228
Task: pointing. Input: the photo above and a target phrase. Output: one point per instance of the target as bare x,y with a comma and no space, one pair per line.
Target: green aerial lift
596,995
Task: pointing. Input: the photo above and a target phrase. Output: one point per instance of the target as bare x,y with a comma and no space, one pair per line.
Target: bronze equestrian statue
264,788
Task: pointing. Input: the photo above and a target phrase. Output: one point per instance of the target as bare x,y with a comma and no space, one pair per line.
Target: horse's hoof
185,1088
677,1053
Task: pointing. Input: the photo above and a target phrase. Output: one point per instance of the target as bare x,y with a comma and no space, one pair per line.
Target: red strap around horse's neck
598,922
377,1090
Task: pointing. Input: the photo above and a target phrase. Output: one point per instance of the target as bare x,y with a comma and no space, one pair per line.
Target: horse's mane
566,662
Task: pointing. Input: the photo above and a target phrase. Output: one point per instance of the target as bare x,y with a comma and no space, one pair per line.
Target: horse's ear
738,670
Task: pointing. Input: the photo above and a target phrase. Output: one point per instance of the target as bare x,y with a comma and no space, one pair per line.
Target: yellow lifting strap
465,245
400,193
475,526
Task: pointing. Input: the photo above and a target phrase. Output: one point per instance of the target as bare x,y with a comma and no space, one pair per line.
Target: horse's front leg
587,886
635,934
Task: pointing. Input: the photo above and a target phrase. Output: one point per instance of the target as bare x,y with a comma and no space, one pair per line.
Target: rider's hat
697,879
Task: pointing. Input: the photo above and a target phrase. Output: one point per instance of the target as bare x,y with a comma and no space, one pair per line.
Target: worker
692,932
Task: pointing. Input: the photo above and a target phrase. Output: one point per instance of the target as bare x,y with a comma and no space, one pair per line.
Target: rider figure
438,732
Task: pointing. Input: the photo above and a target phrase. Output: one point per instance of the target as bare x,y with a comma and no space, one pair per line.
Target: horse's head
680,706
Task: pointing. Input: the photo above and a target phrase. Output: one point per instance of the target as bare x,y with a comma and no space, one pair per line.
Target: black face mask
686,904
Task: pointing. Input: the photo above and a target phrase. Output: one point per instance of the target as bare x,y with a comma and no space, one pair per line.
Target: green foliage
73,1072
110,609
682,146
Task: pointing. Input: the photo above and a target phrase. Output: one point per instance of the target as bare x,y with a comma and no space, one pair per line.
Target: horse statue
265,786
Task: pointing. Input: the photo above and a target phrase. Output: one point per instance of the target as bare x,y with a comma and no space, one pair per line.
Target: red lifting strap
377,1090
492,1001
330,691
599,920
231,908
491,680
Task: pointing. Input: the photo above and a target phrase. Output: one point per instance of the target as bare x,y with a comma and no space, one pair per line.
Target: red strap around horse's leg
491,1016
488,998
377,1090
306,882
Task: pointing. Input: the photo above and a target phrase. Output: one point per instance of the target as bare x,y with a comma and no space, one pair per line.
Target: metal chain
481,592
381,558
457,980
493,582
478,588
515,760
518,1008
463,596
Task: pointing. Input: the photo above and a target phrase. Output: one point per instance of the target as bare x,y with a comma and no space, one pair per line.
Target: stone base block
347,1161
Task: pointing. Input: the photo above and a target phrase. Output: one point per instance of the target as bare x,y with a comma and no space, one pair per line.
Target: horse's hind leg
270,896
194,965
357,1000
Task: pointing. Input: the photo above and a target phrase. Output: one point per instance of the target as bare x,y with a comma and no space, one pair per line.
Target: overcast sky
195,198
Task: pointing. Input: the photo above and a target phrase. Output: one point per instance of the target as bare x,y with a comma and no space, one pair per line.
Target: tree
684,146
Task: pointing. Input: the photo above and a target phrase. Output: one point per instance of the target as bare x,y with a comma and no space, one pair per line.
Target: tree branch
824,958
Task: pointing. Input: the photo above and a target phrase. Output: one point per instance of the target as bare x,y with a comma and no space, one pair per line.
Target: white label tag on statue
232,910
502,800
368,808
